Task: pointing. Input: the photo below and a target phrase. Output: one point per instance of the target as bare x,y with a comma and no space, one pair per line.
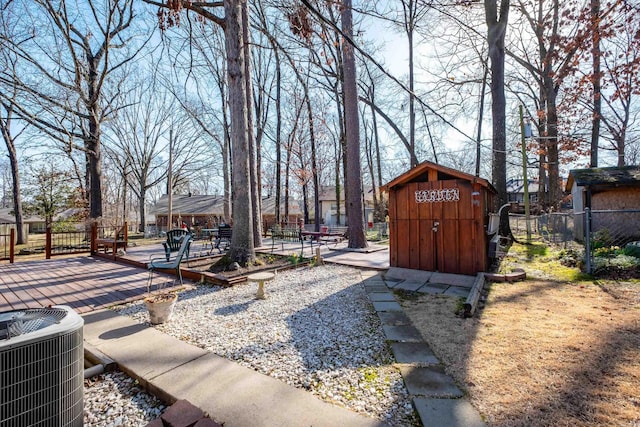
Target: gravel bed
317,331
115,400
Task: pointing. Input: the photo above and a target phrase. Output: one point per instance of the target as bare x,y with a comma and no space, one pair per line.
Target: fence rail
598,231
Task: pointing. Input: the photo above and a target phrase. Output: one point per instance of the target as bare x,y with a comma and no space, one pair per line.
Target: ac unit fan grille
41,380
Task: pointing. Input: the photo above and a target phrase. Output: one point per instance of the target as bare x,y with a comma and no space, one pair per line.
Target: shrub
632,249
602,239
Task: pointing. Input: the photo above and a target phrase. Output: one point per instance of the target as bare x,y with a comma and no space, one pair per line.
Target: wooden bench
283,235
118,240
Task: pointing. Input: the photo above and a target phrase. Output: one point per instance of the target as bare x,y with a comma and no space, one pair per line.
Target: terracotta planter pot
160,307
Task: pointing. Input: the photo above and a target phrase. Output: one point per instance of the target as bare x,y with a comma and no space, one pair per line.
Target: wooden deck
83,283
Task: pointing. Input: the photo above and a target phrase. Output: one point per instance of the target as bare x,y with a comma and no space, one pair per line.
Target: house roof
7,216
269,207
210,205
189,205
605,177
516,186
420,174
328,193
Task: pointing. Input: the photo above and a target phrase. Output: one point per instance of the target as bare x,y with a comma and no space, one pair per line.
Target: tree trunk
15,174
412,105
597,77
278,165
242,249
496,31
254,171
353,196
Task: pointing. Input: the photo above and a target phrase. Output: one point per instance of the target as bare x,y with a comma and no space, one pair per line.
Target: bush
570,258
632,249
602,239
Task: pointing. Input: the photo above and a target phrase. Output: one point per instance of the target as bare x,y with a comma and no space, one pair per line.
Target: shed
604,189
438,220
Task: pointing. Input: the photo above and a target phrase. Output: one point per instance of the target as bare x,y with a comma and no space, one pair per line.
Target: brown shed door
433,227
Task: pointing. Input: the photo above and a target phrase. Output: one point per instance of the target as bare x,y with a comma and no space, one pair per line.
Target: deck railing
8,242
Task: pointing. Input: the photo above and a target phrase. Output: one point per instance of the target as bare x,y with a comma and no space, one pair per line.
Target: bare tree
497,19
68,84
353,196
242,244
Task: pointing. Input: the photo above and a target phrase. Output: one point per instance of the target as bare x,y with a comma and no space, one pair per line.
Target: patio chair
162,263
174,241
225,232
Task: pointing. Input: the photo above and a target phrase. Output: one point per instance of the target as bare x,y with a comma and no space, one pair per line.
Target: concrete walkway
229,393
237,396
436,397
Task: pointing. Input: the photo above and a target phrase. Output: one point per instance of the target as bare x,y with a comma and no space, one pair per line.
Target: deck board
83,283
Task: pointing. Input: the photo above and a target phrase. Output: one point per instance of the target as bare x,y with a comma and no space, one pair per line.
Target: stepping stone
394,318
375,287
392,283
453,279
447,412
386,306
395,273
402,333
429,381
433,288
457,291
413,352
409,286
382,296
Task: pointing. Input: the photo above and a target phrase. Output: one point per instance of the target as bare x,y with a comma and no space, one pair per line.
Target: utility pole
170,183
525,132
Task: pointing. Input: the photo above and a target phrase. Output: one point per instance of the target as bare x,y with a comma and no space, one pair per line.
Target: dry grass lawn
542,352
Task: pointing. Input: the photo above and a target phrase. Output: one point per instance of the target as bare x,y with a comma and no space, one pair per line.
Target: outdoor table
261,277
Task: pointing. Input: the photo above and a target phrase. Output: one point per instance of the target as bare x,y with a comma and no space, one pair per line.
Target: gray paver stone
402,333
409,285
457,291
430,381
394,318
395,273
447,412
386,306
377,287
392,283
433,288
414,352
381,296
453,279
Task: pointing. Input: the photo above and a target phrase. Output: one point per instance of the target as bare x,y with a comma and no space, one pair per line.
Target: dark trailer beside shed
438,220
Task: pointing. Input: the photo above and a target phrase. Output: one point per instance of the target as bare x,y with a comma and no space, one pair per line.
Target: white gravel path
116,400
317,330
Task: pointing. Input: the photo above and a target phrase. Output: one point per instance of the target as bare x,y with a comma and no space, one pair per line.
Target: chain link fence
610,239
554,228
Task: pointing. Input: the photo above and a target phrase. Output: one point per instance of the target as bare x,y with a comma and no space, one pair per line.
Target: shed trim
425,166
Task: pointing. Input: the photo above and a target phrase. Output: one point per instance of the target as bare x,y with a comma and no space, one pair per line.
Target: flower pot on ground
160,307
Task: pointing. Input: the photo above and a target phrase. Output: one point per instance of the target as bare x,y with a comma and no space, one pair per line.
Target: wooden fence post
12,245
94,237
47,244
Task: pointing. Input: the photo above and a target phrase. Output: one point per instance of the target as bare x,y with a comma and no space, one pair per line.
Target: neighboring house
269,213
515,194
194,210
601,189
208,211
329,205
